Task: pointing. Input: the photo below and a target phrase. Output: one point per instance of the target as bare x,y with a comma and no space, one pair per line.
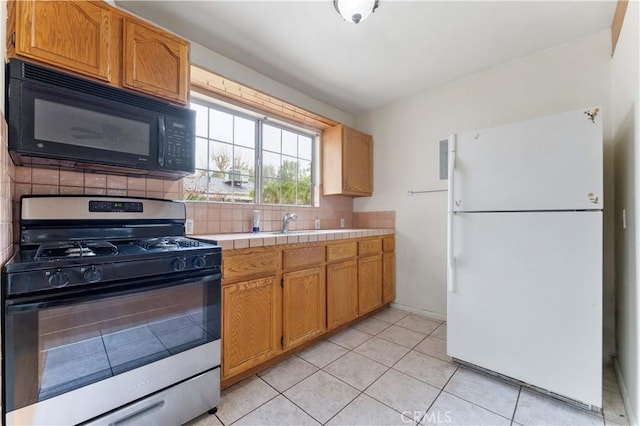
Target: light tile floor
392,369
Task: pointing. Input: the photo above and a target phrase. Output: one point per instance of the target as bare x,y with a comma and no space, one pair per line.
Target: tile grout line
254,409
361,392
439,393
513,416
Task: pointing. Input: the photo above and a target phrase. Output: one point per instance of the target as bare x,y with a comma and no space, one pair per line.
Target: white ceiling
404,47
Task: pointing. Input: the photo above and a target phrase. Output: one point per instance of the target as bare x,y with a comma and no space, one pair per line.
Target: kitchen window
242,158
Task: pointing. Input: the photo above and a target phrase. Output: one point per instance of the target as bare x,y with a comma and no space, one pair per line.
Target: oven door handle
35,303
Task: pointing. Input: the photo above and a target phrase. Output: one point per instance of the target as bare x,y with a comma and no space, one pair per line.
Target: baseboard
625,396
422,312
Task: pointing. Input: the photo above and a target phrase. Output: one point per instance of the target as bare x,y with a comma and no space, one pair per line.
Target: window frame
260,120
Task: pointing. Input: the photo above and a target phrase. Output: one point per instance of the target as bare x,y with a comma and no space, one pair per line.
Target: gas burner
71,249
167,243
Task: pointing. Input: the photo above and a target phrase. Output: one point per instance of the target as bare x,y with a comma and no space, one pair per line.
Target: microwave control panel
180,145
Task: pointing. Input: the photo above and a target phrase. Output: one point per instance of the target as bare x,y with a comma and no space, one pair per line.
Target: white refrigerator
524,255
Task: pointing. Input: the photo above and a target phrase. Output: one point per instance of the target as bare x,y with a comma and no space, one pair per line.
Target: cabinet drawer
389,244
304,256
369,247
341,251
248,263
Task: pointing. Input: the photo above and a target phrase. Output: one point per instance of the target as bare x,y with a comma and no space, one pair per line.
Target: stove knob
199,262
92,275
58,279
179,264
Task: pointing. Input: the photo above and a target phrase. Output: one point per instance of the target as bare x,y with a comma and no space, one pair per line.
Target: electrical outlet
342,222
317,224
188,227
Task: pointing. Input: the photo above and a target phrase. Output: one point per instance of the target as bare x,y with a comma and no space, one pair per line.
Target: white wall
625,88
406,135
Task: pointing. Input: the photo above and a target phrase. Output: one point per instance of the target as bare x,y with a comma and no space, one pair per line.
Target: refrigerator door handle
450,259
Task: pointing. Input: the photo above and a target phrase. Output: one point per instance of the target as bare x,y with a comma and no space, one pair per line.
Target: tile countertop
261,239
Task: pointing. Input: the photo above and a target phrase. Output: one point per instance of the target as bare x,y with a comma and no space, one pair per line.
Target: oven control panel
97,273
115,206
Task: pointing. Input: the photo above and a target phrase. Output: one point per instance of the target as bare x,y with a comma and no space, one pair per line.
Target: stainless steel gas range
110,314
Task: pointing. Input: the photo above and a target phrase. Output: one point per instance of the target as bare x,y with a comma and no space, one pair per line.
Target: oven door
71,357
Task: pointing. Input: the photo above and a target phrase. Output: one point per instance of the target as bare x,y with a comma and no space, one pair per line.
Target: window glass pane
202,119
304,193
244,132
220,156
289,170
289,189
244,160
305,147
270,165
221,126
195,186
221,187
201,153
271,191
226,160
270,138
289,143
304,170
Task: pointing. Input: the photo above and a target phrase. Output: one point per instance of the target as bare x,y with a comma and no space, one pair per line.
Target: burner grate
167,243
71,249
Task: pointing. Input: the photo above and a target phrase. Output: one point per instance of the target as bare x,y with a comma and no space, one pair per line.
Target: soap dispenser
256,221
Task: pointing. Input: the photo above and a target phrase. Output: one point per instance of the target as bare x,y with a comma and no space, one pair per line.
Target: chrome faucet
288,217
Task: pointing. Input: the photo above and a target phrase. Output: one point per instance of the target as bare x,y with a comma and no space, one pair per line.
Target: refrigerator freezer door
548,163
528,298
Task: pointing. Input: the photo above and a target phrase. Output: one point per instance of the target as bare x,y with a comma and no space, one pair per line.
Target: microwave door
81,127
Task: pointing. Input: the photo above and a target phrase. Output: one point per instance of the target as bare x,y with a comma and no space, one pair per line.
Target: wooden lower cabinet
251,324
303,305
388,277
369,283
277,298
342,293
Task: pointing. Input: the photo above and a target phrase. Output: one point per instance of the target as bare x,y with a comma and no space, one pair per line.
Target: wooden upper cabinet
73,35
98,41
347,162
155,61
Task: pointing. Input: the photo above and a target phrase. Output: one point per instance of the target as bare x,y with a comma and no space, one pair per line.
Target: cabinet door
342,293
155,62
357,164
73,35
369,283
388,277
303,307
251,324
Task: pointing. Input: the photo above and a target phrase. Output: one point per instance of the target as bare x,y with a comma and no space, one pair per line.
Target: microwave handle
162,137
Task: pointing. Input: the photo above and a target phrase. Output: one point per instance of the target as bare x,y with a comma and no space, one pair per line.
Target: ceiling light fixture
355,11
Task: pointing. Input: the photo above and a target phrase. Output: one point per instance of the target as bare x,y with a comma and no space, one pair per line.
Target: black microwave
60,120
